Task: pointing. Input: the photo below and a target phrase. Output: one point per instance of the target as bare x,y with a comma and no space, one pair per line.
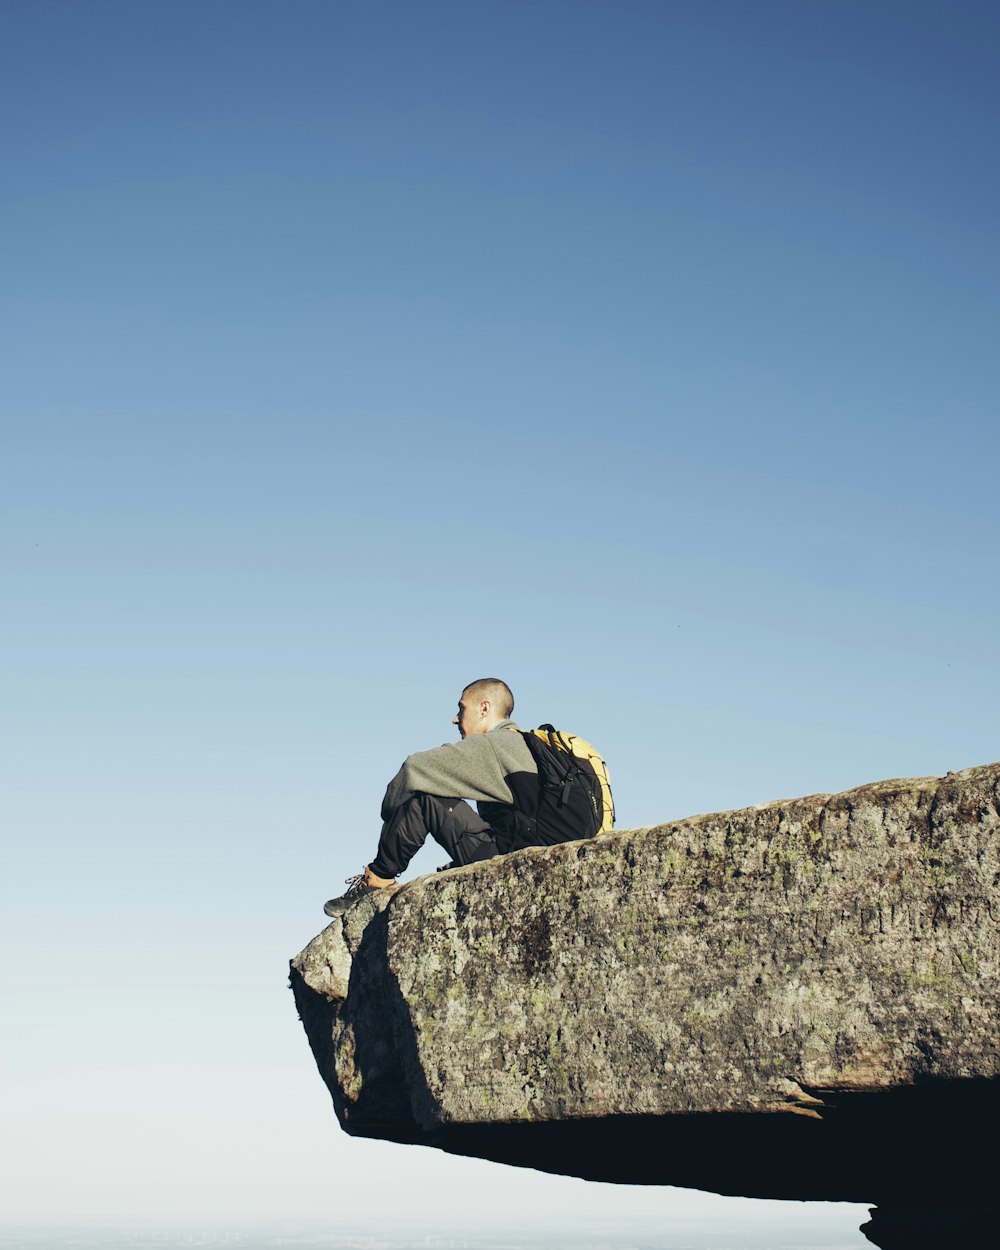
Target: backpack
574,793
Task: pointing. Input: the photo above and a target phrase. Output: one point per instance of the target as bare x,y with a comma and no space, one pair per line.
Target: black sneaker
356,888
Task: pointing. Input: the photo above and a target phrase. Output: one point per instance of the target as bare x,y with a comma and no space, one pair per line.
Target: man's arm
470,769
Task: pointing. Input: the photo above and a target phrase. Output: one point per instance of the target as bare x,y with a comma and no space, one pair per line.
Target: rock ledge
782,1001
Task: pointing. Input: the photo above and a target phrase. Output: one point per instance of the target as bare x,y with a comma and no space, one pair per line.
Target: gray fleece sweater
491,768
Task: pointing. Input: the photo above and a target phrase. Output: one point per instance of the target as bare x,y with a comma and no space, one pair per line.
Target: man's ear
484,709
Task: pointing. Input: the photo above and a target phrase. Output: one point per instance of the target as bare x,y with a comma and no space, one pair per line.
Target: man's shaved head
492,688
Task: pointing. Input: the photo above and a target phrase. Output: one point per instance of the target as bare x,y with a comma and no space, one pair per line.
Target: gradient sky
642,353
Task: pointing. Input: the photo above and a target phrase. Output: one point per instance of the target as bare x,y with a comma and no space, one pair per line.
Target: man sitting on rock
490,764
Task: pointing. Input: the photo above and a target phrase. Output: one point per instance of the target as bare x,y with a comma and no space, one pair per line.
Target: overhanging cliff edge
799,1000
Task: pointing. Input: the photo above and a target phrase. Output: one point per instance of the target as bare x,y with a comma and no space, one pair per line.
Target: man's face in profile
467,717
464,716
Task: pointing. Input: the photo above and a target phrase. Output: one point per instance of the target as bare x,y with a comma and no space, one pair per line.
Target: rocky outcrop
798,1000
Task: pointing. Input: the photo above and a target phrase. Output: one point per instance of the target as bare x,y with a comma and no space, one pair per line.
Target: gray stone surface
778,1001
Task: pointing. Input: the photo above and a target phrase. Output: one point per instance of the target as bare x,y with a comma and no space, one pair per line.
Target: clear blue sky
641,353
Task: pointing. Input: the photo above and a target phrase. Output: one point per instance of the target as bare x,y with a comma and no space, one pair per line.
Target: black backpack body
574,793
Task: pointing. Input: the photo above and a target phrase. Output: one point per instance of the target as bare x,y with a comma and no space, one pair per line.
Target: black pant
462,832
